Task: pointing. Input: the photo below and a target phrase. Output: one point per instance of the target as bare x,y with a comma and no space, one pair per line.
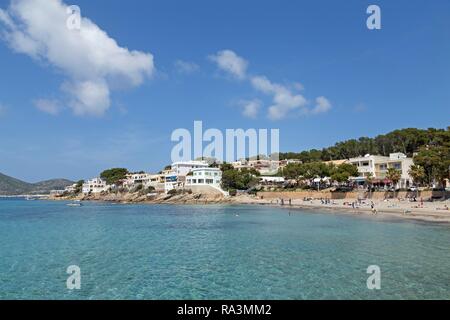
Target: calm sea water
214,252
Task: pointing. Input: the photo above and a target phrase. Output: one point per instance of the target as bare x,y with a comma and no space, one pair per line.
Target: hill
12,186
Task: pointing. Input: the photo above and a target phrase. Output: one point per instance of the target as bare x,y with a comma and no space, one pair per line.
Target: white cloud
322,105
186,66
231,63
52,107
90,97
284,100
92,61
250,108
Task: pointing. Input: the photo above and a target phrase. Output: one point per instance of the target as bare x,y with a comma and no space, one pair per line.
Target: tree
317,170
369,181
307,171
394,175
294,171
226,166
435,161
407,141
343,172
114,176
417,173
79,186
238,179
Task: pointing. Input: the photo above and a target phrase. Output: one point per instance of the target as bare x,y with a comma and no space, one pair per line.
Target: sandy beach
430,211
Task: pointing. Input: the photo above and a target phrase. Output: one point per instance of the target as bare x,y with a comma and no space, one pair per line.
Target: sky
74,102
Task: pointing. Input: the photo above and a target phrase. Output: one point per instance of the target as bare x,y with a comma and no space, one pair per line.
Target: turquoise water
215,252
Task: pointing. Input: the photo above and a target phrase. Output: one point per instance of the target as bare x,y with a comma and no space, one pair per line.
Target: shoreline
401,210
381,215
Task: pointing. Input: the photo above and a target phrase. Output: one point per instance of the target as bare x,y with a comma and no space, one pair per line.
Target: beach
430,211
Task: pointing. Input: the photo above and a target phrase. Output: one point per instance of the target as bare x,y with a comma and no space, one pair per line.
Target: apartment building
378,166
96,185
205,176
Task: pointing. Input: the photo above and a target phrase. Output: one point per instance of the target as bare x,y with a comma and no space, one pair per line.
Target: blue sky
373,81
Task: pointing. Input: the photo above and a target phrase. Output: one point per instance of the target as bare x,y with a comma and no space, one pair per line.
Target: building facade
184,167
377,166
95,185
204,176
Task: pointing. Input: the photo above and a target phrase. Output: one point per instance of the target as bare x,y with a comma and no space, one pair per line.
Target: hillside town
199,176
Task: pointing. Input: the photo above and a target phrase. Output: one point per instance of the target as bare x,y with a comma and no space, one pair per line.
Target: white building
378,166
95,185
172,181
182,168
240,164
133,179
204,176
176,177
71,188
271,180
154,180
263,166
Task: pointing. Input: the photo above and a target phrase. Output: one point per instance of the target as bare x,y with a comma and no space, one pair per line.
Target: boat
74,204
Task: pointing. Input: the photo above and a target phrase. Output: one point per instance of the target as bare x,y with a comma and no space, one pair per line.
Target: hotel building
378,166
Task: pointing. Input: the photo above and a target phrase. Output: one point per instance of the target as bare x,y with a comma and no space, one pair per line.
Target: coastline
392,208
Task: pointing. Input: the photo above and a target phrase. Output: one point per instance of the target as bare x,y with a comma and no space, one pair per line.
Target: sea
49,250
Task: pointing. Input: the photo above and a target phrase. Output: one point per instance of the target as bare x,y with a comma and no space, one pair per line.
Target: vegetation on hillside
407,141
233,179
114,175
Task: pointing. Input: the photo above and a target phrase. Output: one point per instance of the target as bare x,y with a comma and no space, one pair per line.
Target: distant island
10,186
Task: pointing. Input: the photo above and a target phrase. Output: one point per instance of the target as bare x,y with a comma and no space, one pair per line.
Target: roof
191,162
206,169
